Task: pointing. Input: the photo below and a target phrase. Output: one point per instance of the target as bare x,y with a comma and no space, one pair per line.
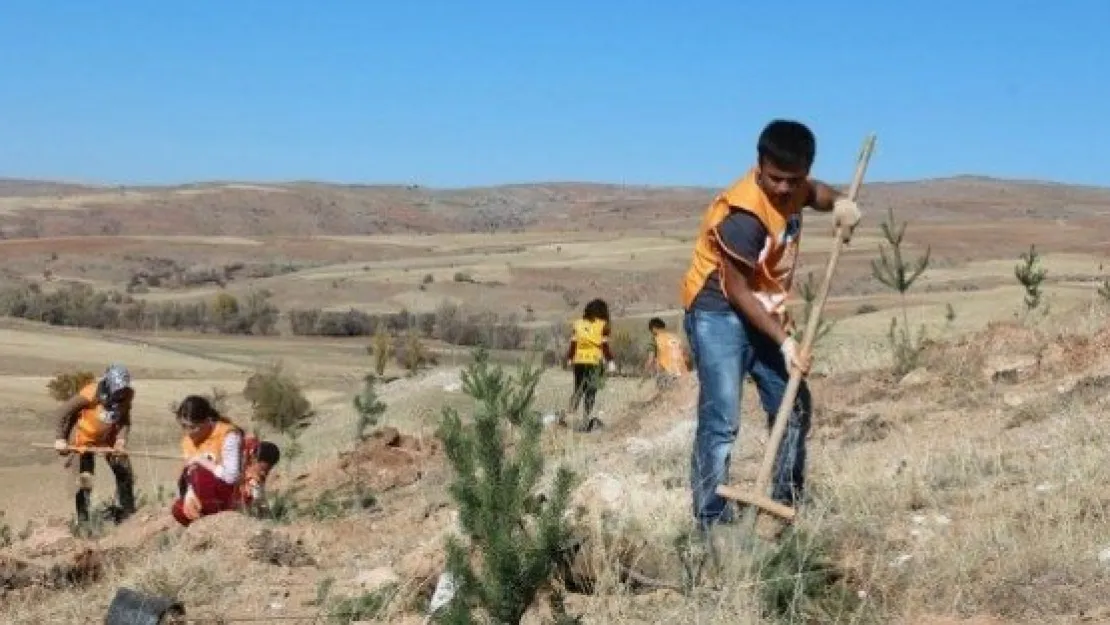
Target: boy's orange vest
91,430
669,353
775,267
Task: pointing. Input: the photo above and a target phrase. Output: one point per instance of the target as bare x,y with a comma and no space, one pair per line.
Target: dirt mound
66,571
385,460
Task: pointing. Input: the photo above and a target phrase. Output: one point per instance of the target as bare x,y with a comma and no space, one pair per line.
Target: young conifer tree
1030,274
498,465
897,273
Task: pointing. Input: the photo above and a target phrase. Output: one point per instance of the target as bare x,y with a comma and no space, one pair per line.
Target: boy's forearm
743,300
758,316
824,196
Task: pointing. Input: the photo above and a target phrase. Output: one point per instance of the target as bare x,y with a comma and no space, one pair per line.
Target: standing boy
734,295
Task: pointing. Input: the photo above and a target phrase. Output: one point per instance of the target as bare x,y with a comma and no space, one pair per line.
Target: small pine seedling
894,271
368,408
498,462
808,291
1030,274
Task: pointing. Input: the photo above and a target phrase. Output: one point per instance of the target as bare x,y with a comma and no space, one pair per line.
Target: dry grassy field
971,490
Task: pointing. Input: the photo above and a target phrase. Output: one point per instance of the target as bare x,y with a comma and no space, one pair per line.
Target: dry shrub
66,384
628,353
411,353
276,399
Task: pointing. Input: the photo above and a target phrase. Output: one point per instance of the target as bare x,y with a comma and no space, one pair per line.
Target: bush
354,322
79,305
482,329
66,384
276,400
381,348
411,354
448,323
519,538
315,322
628,354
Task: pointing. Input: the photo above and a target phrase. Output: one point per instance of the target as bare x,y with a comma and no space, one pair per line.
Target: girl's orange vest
213,446
775,268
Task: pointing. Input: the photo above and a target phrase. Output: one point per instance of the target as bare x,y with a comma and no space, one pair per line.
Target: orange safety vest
669,353
211,447
93,429
588,339
776,263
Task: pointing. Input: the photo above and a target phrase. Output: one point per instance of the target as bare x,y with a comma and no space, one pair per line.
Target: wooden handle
792,386
109,450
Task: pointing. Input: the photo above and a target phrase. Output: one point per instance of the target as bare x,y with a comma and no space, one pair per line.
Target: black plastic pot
130,607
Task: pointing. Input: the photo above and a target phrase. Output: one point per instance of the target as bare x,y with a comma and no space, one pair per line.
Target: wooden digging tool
109,450
759,497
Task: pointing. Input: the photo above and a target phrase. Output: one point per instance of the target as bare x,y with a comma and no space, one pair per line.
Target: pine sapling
1030,274
498,463
368,408
808,291
894,271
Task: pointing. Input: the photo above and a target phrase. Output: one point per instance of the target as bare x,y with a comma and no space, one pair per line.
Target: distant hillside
46,209
13,187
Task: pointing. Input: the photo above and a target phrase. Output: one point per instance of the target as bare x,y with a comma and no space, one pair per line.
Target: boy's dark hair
656,324
787,144
596,309
268,453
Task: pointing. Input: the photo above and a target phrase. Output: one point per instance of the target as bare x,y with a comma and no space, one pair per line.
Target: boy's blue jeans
725,349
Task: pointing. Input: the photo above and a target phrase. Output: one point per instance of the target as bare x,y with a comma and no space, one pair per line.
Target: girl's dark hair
596,309
196,409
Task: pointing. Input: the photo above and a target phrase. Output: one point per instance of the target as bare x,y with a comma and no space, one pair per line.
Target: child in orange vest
213,449
667,360
734,297
99,415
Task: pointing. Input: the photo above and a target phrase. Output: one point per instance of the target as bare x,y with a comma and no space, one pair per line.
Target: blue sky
454,93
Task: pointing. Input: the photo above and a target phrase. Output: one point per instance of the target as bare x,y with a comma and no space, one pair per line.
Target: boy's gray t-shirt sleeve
742,237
